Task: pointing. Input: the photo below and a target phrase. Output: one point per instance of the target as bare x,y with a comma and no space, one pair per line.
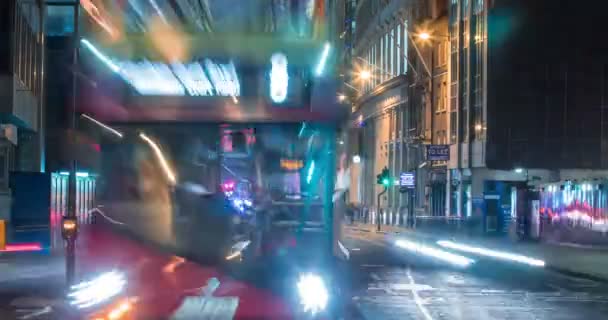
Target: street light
364,75
424,35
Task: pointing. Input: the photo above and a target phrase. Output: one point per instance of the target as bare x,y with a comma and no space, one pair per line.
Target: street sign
407,180
438,152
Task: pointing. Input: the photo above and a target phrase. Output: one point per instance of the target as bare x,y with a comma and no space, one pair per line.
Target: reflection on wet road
397,284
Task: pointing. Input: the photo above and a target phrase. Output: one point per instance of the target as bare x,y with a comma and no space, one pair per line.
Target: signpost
438,152
407,182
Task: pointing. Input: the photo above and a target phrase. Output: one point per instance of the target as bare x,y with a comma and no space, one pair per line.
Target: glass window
392,42
453,126
404,49
370,56
387,55
398,49
59,20
382,59
373,63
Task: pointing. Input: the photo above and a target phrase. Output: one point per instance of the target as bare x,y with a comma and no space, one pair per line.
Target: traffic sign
438,152
407,179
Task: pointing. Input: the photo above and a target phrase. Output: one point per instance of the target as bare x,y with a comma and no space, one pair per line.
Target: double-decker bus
218,123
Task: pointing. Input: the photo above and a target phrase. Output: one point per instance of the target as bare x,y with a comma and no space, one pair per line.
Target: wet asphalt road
31,286
389,283
392,283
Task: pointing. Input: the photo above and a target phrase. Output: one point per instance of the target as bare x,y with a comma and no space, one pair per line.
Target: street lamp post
69,224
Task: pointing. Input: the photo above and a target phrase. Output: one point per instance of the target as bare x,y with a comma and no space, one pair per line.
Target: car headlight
313,293
98,290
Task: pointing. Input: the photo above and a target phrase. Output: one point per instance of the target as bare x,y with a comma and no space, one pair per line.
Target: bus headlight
98,290
313,293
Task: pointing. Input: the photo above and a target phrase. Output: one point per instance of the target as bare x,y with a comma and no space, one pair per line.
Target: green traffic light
385,182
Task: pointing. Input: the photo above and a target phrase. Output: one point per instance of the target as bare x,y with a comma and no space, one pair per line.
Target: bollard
2,235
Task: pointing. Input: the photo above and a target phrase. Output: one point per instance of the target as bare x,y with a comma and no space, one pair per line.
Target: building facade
21,89
526,109
392,120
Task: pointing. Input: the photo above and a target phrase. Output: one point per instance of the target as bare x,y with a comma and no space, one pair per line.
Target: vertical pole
378,220
71,214
410,208
330,167
602,142
378,212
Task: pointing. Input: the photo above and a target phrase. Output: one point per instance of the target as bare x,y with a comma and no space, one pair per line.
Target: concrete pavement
397,284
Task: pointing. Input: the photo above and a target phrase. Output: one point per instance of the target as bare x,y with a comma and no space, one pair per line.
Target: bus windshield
176,185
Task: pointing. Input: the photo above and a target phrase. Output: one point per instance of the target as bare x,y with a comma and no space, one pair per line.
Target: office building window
381,75
453,127
398,50
59,20
374,63
387,55
27,44
392,51
440,96
441,52
404,48
364,66
477,70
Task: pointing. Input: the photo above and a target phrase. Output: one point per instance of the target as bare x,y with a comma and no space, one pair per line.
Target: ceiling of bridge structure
290,17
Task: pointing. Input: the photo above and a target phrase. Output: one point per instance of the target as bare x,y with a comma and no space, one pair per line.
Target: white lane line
417,299
344,250
375,276
372,265
37,313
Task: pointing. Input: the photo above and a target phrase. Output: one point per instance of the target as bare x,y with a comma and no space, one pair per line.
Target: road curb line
577,274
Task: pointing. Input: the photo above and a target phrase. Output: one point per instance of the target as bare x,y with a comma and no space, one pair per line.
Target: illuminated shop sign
177,79
278,81
292,164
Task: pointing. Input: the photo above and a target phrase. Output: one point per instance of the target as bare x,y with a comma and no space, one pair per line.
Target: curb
548,267
577,274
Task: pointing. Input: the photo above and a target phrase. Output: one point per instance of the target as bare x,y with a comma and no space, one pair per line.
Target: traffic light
384,177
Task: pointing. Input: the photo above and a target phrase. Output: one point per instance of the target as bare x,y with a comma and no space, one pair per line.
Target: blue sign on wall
438,152
407,179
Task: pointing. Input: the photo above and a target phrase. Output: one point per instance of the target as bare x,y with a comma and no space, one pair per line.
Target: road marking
375,276
556,287
36,314
410,287
372,265
417,299
344,250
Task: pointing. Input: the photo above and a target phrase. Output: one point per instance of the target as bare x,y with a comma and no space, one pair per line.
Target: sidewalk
579,261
